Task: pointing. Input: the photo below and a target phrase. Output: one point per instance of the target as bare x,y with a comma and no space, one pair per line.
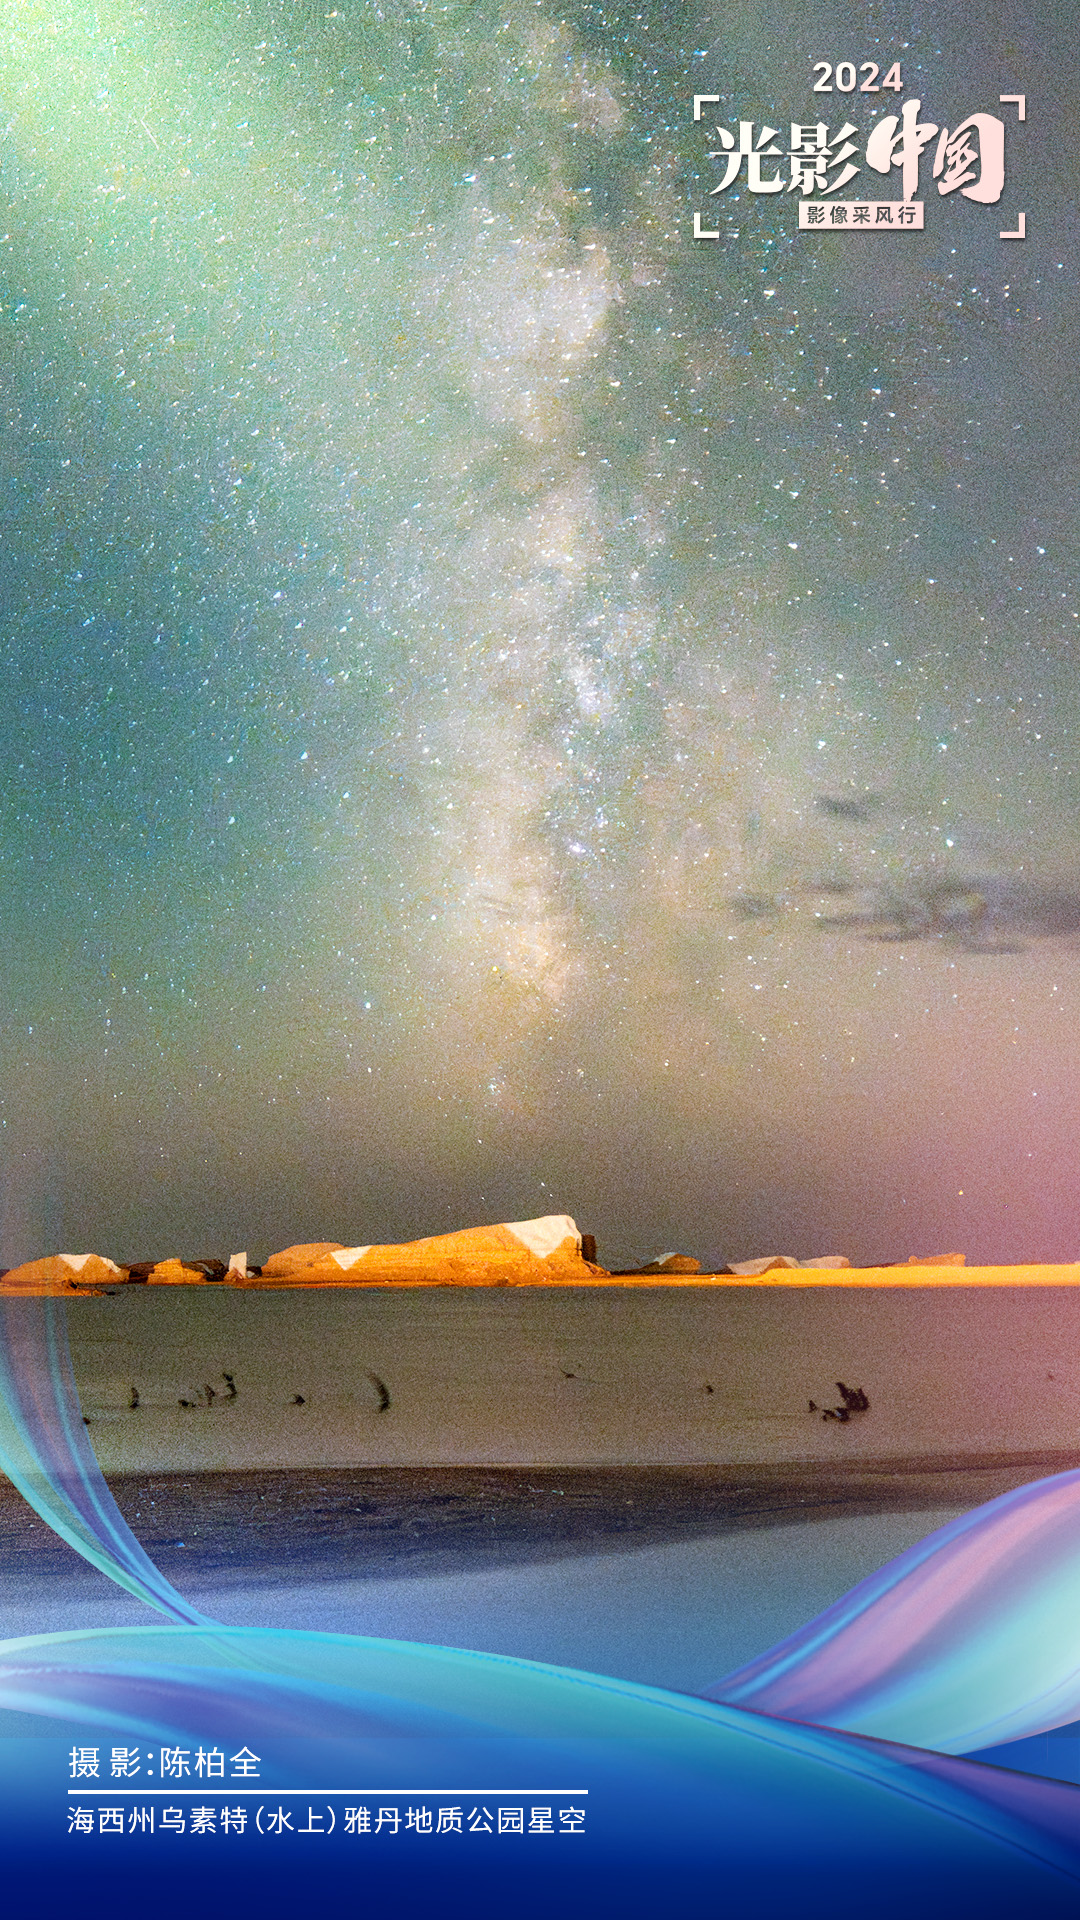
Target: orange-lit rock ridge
524,1252
540,1253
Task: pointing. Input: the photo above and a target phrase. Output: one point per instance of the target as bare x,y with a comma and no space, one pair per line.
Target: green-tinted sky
509,709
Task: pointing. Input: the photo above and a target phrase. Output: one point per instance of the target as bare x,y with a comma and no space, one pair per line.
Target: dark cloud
979,913
840,806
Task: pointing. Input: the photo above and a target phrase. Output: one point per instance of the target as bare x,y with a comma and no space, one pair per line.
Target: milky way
508,708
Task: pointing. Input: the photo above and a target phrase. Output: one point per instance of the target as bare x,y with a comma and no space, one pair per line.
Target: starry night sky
509,710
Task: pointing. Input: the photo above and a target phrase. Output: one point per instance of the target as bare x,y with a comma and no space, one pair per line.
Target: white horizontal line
279,1793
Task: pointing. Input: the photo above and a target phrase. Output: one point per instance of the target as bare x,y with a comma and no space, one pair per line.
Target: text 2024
845,74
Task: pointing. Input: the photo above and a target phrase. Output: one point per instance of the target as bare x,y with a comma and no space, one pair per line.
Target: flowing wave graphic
674,1783
965,1638
965,1641
713,1777
45,1450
